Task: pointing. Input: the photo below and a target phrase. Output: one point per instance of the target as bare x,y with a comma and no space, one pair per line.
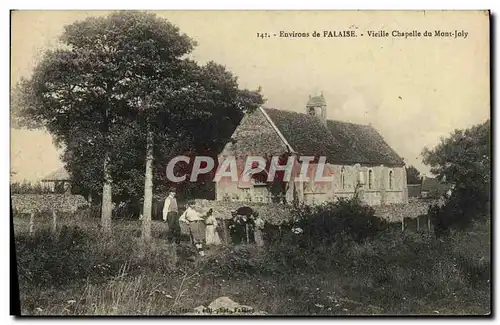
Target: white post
32,223
54,222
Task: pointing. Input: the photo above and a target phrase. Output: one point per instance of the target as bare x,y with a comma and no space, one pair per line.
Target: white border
185,4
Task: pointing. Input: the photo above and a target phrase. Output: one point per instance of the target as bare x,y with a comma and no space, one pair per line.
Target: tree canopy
115,77
464,158
464,161
412,175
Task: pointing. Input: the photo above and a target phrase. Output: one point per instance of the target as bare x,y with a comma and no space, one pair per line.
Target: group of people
245,226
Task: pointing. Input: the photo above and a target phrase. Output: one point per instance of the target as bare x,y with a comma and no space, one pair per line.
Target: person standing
259,228
211,234
196,224
236,228
171,216
245,215
250,229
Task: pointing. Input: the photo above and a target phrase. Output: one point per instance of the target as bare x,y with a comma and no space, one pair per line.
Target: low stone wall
410,210
270,212
279,213
33,203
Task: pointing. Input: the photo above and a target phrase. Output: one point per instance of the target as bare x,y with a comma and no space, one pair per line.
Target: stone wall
410,210
253,137
272,213
381,191
280,213
31,203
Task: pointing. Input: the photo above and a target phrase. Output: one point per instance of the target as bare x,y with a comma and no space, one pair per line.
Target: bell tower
316,106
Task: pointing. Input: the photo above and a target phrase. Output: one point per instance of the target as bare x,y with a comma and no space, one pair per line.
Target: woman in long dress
196,227
259,227
211,234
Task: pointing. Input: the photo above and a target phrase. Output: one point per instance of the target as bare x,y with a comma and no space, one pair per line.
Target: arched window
391,176
342,178
370,179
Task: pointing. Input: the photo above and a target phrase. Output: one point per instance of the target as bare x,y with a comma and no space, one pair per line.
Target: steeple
316,106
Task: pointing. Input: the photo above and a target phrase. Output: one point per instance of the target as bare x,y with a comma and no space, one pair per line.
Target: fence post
402,223
54,222
429,224
226,238
418,224
32,223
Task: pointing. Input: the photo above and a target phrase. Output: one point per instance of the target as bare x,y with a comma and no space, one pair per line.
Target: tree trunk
54,222
107,202
32,224
148,187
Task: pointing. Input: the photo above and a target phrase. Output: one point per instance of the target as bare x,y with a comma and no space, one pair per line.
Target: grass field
78,271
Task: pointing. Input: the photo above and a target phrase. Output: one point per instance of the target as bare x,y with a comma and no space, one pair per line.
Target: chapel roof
340,142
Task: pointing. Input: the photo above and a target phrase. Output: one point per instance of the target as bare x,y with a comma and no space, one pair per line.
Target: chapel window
370,179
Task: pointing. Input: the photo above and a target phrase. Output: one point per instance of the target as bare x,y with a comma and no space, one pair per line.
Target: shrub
334,221
458,212
464,160
237,261
391,271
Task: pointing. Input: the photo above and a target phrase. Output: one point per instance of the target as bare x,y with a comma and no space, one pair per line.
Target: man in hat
239,224
171,216
235,228
247,215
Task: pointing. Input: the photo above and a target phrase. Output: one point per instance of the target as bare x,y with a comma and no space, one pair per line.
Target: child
211,234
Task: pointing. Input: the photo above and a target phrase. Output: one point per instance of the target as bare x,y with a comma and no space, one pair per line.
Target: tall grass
80,271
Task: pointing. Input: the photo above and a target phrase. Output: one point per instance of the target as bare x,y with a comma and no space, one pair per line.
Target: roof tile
340,142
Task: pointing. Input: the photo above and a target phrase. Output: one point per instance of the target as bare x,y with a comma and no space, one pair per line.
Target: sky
413,91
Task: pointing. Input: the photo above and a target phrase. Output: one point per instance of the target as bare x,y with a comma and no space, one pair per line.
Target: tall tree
205,104
80,93
464,160
121,92
76,104
152,67
412,175
172,98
